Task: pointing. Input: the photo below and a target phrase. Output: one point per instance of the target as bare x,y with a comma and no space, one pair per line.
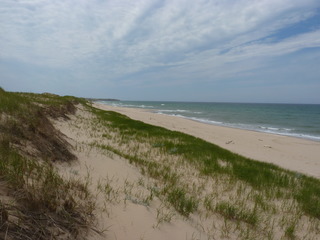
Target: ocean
295,120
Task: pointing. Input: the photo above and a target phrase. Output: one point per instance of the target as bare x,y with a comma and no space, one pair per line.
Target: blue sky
229,51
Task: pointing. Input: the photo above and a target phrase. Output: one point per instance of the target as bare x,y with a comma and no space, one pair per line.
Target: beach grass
40,193
38,202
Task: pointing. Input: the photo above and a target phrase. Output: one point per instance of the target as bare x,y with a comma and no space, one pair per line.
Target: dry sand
291,153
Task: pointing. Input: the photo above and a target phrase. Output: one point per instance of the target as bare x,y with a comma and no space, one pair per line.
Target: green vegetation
39,204
181,202
233,213
40,193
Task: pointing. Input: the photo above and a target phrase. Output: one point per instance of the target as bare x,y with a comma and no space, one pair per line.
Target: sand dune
125,207
121,214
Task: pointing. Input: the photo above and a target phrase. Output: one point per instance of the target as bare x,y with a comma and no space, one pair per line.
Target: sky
166,50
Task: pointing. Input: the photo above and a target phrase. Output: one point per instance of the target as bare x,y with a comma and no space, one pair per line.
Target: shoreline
232,127
292,153
240,120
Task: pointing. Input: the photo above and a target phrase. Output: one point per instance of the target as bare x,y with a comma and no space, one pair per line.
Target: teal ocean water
296,120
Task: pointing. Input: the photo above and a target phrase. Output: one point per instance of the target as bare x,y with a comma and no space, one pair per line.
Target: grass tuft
237,214
180,200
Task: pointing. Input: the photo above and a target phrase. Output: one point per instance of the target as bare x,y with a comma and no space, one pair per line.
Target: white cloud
117,38
292,44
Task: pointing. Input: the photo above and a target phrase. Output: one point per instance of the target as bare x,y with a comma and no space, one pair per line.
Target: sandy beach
295,154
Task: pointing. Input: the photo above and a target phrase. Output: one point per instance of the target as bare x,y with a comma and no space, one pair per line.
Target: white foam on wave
276,129
176,110
126,105
170,112
290,132
273,130
207,121
296,135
